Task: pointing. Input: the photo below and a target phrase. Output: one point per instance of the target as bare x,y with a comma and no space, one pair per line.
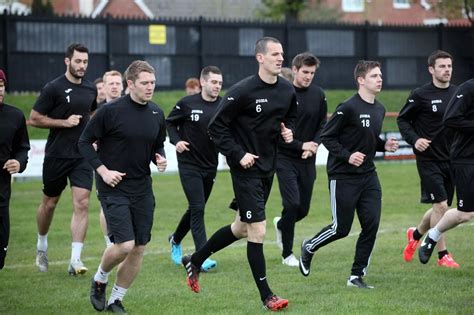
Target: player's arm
219,127
288,125
93,131
43,121
456,115
44,104
290,122
406,118
20,147
175,119
159,156
323,118
331,131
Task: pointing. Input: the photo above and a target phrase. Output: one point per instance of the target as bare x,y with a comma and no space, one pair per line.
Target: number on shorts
248,214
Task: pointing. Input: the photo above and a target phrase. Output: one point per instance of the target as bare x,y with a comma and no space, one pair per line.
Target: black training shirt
422,117
188,122
128,134
460,116
248,121
354,127
312,112
60,99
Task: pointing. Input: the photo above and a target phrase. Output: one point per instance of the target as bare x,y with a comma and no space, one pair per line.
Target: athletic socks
101,276
117,294
435,234
76,251
42,243
416,235
442,253
257,265
219,240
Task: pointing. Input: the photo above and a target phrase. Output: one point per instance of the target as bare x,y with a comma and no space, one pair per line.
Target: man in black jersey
421,124
197,158
252,117
352,136
64,106
459,115
14,146
113,88
296,160
130,132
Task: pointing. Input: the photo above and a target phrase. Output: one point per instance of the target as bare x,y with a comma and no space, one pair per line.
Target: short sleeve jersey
60,99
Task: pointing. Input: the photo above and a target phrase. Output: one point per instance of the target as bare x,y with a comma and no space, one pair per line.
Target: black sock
183,227
416,235
442,253
257,265
219,240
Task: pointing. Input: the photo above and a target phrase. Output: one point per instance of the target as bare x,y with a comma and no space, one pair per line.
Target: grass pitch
400,288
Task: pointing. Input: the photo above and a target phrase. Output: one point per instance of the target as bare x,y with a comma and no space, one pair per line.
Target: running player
64,106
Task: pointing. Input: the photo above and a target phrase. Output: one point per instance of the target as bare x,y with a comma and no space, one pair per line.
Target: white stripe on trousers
327,234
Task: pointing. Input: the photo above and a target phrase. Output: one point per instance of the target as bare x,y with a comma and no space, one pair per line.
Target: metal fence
32,48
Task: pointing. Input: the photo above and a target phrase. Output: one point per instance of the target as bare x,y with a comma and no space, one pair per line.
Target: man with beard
14,146
64,106
460,117
421,125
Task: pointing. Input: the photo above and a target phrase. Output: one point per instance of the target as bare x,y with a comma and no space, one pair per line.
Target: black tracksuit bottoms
361,194
197,186
296,181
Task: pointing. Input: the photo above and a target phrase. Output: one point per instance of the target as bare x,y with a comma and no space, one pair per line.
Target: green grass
401,288
392,99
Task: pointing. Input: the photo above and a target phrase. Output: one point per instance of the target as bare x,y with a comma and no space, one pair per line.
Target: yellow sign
157,34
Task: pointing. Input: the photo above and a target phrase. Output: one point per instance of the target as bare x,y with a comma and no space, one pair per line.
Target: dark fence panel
32,48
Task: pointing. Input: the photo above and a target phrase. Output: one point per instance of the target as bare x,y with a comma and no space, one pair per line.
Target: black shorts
437,181
129,218
251,195
56,172
233,205
464,177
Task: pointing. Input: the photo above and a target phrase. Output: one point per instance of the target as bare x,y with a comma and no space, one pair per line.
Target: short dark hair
363,67
438,54
136,67
75,47
261,45
305,59
209,69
